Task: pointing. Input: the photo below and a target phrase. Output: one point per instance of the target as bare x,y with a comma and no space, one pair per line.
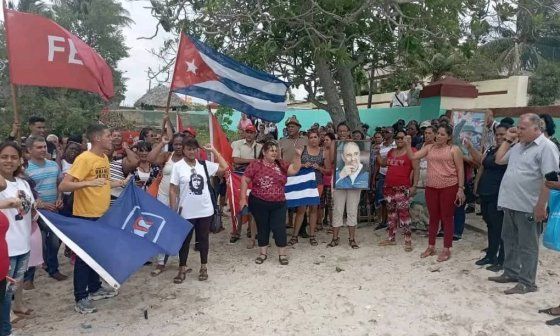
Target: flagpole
210,126
14,88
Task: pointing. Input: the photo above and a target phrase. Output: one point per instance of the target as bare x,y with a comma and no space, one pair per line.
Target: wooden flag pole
210,126
13,87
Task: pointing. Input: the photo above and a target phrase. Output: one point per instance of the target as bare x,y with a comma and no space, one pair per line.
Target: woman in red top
267,201
398,190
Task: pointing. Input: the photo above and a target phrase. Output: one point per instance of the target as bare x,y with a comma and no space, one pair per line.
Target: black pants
202,231
86,280
494,219
269,216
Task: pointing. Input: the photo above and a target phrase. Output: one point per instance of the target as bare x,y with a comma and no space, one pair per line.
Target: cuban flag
135,229
205,73
301,189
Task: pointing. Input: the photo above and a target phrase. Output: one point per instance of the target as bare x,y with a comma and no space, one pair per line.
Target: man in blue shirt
45,175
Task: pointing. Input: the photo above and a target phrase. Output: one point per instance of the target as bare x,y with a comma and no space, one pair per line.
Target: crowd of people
81,176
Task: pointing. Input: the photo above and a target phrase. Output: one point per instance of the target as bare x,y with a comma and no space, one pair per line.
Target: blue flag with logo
136,228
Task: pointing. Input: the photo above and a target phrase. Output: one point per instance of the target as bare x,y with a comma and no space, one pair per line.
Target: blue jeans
379,183
459,221
86,280
51,245
18,265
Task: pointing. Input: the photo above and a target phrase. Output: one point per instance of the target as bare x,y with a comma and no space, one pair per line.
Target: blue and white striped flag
301,189
203,72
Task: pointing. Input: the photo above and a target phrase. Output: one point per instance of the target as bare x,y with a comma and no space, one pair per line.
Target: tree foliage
544,86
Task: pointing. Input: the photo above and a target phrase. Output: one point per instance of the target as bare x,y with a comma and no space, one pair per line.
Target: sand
376,291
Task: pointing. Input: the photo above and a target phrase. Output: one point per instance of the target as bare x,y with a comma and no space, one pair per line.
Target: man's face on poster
351,156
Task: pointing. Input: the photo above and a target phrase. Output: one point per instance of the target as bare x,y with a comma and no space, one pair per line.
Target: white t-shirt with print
194,195
18,236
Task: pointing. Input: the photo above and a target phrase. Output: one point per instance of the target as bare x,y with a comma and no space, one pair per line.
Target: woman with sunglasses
400,186
267,201
190,195
167,160
444,187
146,172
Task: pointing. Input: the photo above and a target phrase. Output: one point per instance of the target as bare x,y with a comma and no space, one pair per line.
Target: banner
42,53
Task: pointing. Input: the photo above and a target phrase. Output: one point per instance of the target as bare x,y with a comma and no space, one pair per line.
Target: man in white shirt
399,99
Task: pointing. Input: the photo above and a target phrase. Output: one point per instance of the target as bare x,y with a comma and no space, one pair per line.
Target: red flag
220,140
42,53
180,127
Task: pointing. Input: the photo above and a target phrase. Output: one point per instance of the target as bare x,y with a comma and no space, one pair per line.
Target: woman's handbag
216,225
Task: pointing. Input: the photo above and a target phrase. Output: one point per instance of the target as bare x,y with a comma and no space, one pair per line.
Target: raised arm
420,154
221,161
295,166
476,156
501,154
155,157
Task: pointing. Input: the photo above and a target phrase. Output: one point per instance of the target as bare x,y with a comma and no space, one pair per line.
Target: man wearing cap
289,143
245,151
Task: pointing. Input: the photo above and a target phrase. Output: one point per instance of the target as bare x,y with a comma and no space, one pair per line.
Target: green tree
544,85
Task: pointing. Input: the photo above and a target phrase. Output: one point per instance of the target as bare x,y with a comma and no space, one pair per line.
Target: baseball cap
190,130
250,128
425,123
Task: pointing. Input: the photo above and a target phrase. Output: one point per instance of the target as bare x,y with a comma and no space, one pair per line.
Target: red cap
190,130
250,128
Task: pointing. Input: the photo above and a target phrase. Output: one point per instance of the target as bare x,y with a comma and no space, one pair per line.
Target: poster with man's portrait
352,164
469,125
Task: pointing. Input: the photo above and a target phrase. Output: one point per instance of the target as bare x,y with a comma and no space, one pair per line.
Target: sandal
387,242
353,244
553,322
182,275
260,259
293,241
283,260
159,269
408,247
555,311
444,256
313,241
430,251
203,274
334,242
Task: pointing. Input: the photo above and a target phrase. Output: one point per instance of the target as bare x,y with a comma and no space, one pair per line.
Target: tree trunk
370,87
348,92
329,88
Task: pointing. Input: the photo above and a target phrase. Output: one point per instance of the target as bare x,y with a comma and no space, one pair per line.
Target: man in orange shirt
89,179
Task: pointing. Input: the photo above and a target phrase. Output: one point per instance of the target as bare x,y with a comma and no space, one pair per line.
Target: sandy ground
380,291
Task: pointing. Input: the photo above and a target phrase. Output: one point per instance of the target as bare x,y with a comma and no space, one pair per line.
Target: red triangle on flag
190,68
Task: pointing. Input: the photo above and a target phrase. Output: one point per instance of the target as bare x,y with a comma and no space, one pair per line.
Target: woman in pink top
444,187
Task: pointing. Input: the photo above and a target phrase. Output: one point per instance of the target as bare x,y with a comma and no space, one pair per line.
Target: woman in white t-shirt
18,236
189,193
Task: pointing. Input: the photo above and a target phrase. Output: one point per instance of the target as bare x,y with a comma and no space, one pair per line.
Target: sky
135,67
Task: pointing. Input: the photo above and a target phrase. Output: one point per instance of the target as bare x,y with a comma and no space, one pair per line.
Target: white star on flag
191,67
